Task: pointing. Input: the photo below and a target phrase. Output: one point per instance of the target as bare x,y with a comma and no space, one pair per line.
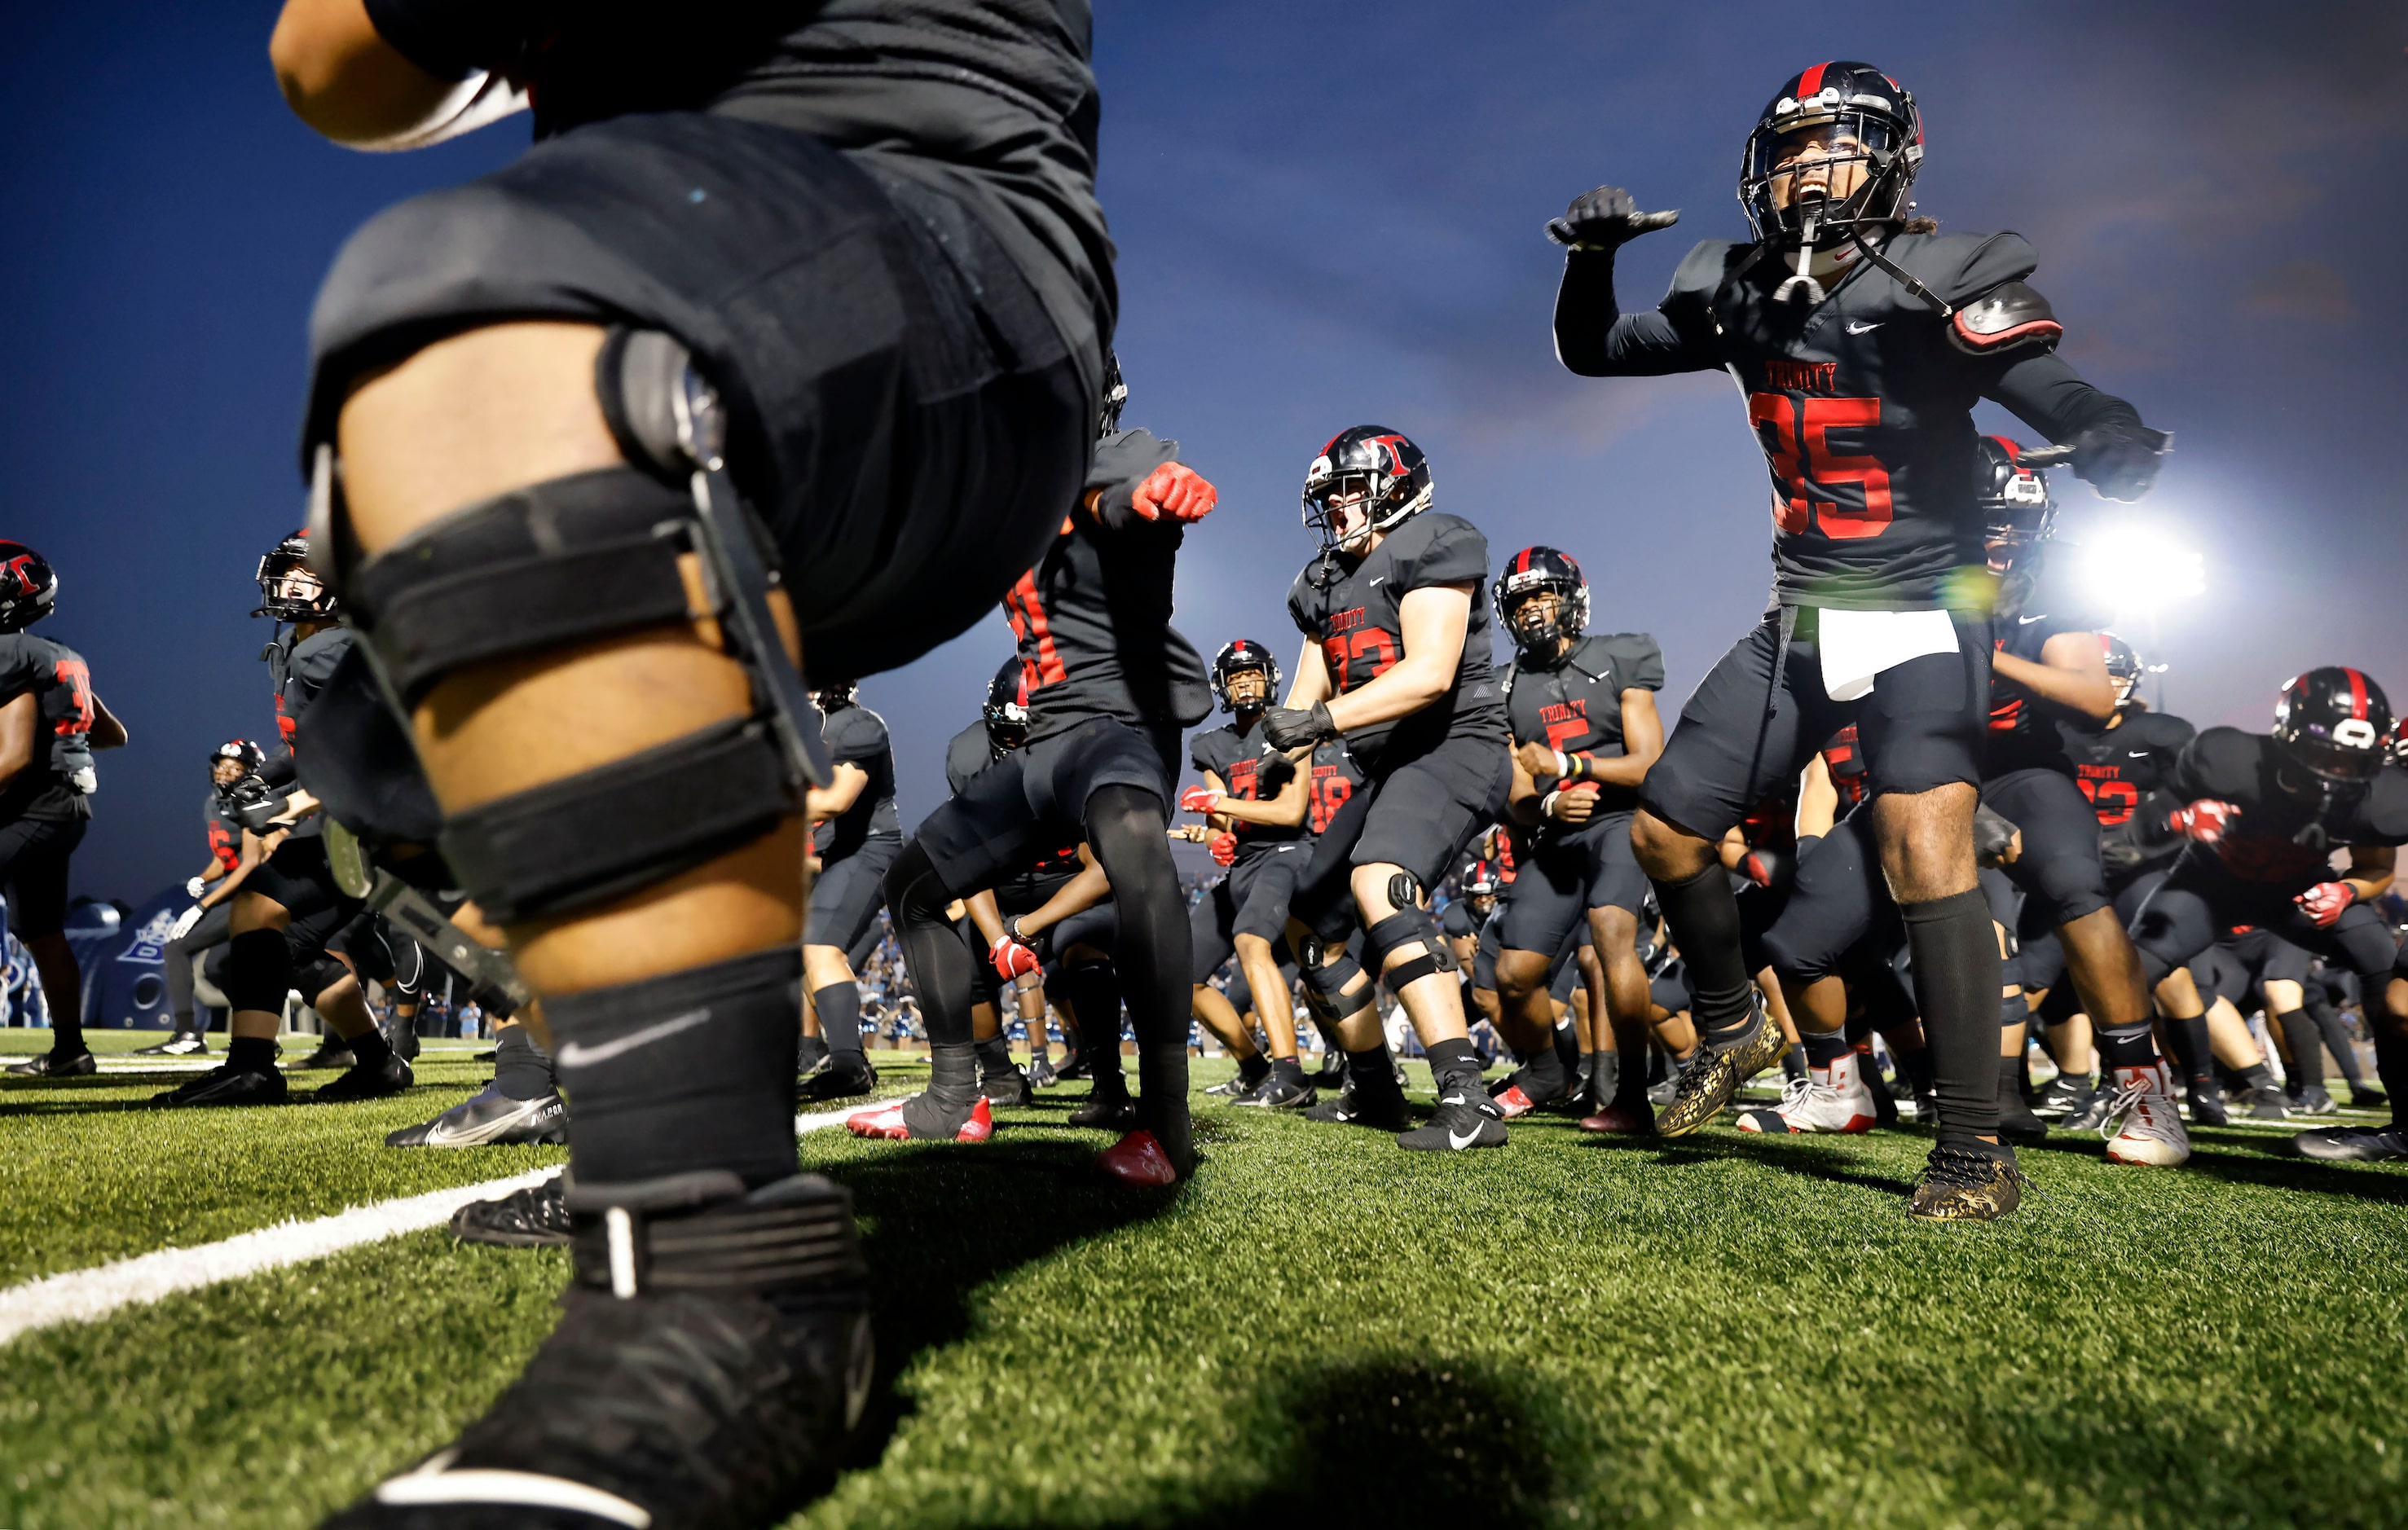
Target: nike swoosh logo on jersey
2139,755
2028,620
1459,1142
575,1054
1856,328
1376,580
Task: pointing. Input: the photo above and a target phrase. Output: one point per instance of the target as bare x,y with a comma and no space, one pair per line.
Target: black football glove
1606,219
1996,841
2119,458
1293,727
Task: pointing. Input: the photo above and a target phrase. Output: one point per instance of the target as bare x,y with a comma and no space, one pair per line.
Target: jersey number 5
1801,460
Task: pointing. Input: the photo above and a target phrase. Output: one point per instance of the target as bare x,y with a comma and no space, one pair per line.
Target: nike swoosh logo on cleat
1460,1140
576,1054
1856,328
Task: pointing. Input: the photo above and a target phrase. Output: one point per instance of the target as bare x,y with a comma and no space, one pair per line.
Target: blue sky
1327,214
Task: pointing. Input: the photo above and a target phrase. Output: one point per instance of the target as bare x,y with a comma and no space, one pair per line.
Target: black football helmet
1530,572
1107,419
1007,706
832,699
1855,114
2124,667
2016,508
242,751
289,560
1244,654
2336,723
1480,882
29,586
1388,470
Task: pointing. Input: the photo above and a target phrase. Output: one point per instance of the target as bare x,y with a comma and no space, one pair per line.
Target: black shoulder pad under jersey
2010,316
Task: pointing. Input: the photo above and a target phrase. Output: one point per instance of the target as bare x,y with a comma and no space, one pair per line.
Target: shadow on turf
1794,1155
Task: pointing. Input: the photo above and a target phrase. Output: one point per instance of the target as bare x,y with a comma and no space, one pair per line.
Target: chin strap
1802,281
1939,304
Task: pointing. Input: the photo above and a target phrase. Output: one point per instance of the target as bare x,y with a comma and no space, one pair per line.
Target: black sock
935,1112
1794,1061
1094,994
1290,1069
2307,1047
369,1049
2199,1054
2257,1076
1544,1067
1822,1051
1253,1070
1455,1067
2125,1045
808,1051
994,1057
1917,1065
1956,980
2336,1038
2011,1089
1568,1050
252,1054
1605,1076
1372,1073
522,1069
1703,915
839,1008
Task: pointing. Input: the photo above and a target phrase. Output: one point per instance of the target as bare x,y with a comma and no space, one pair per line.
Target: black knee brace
258,971
571,560
313,977
1327,971
1406,927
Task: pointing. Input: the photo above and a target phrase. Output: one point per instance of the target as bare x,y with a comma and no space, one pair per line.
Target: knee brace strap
1326,983
549,565
258,971
587,839
1406,927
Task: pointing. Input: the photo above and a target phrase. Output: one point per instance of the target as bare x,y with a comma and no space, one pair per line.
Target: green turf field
1318,1330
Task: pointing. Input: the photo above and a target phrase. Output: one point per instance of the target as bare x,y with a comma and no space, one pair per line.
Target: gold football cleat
1709,1082
1960,1184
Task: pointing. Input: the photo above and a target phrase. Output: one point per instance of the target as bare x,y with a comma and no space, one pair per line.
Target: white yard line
86,1295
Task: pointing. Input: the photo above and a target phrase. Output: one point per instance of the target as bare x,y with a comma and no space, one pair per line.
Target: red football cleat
887,1122
1617,1121
1513,1102
1137,1159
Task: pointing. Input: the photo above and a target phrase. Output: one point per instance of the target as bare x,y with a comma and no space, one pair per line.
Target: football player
2264,814
1395,613
1860,338
856,838
287,913
234,851
1582,707
51,722
1256,802
1110,687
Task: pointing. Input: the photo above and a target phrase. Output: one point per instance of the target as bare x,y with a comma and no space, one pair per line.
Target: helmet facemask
290,590
1824,168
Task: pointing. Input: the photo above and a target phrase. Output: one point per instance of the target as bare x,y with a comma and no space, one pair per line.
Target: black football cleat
709,1366
2064,1096
1966,1184
225,1086
181,1044
2313,1100
1108,1107
1006,1085
2352,1144
1281,1090
533,1218
1462,1121
2367,1098
333,1052
838,1076
50,1064
2207,1105
2266,1103
1350,1107
364,1082
488,1120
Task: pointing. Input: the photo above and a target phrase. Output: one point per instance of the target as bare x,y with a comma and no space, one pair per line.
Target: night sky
1328,215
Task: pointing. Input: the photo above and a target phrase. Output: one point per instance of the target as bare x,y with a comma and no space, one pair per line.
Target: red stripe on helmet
1811,80
2357,694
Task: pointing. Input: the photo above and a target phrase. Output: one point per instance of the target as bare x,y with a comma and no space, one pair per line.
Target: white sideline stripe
88,1295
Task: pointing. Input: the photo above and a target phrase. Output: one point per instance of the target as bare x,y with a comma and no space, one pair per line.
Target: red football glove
1176,491
1199,799
2204,820
1224,848
1010,958
2325,901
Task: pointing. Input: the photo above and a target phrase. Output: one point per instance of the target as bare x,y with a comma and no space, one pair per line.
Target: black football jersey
1250,771
225,834
2127,771
1861,404
857,735
2279,801
1336,777
1574,704
2032,606
60,684
1355,617
1093,618
1844,757
301,670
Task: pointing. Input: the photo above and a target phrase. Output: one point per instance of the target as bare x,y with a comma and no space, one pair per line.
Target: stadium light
2138,569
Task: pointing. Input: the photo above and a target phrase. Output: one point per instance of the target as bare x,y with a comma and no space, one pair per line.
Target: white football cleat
1833,1099
2144,1121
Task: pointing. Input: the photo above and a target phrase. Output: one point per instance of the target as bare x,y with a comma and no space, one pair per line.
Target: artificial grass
1320,1328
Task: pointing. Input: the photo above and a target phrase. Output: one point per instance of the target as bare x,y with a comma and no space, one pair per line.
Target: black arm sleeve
2050,396
276,770
1595,338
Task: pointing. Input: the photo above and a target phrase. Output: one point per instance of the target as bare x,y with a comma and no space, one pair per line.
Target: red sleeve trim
1985,341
